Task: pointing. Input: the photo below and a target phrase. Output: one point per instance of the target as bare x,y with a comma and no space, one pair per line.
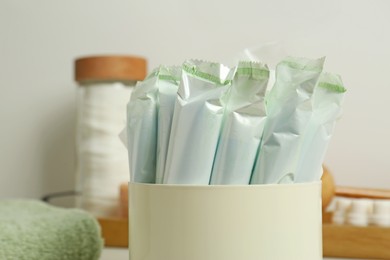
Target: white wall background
39,40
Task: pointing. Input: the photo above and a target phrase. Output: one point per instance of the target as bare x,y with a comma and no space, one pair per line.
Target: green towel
33,230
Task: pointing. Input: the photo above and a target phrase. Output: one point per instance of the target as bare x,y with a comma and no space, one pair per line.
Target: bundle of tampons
205,123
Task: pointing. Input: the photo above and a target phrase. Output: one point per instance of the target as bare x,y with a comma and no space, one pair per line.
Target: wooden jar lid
123,68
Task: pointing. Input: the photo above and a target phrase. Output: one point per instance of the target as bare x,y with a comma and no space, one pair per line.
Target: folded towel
34,230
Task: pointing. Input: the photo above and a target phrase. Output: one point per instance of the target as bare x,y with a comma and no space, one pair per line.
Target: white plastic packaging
196,123
149,112
243,125
169,78
289,110
142,130
327,100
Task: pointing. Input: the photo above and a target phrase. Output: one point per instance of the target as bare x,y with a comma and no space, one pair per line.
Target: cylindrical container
251,222
105,84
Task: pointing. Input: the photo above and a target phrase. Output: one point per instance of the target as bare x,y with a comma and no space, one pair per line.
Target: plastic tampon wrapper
169,78
243,125
289,110
142,130
327,100
148,115
196,123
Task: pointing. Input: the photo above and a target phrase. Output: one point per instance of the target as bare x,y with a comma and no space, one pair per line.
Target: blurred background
39,41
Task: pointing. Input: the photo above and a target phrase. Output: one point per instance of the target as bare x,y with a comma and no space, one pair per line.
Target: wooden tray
356,242
115,231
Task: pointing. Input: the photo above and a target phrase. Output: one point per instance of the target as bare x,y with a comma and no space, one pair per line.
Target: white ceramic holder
252,222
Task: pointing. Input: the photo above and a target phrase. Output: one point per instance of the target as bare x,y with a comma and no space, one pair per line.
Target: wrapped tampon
327,100
149,120
196,123
169,78
142,130
243,125
289,110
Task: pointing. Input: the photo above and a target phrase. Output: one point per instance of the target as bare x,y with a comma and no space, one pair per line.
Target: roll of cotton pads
102,162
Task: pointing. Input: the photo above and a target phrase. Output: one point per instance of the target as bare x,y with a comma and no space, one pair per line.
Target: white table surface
123,254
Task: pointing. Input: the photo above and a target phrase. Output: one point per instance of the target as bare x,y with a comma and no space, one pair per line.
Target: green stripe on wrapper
196,71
